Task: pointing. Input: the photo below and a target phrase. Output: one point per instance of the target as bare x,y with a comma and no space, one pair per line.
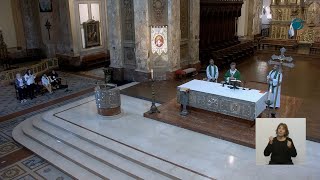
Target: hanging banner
159,39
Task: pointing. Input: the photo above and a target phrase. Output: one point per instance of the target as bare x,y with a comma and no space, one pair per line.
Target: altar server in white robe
212,72
272,79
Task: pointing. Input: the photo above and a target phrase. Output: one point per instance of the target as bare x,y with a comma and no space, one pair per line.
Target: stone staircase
86,154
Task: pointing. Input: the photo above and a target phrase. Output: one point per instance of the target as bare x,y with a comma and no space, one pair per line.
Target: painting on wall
159,39
91,33
45,5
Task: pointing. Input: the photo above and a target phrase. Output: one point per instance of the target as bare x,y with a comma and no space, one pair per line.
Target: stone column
142,38
174,35
250,19
115,38
194,33
18,23
242,29
31,24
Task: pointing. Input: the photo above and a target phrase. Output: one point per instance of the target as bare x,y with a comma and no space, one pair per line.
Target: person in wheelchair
55,79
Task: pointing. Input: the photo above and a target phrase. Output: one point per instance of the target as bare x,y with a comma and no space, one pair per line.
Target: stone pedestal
117,74
108,100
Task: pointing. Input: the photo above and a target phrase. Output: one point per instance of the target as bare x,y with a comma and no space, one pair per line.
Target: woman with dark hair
29,78
54,78
281,147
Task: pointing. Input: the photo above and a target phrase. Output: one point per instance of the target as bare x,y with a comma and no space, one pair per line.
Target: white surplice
273,87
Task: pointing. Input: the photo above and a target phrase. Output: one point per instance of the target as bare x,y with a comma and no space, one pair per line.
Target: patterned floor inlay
32,167
8,148
7,144
12,172
12,112
9,103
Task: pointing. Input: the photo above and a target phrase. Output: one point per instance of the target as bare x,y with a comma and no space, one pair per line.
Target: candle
269,93
152,74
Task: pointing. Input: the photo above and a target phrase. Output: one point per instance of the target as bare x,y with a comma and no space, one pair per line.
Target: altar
241,103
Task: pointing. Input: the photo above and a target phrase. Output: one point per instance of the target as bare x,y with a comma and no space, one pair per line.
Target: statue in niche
295,11
312,16
278,33
272,12
279,14
256,17
91,33
273,32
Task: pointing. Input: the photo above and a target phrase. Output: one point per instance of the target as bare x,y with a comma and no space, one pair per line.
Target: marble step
104,155
81,159
50,155
140,157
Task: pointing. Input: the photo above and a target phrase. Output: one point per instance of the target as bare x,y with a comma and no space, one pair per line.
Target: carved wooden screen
128,34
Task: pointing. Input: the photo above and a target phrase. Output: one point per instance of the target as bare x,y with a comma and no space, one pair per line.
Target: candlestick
153,108
269,93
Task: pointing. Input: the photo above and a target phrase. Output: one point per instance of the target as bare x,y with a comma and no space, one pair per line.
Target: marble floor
300,83
156,150
151,147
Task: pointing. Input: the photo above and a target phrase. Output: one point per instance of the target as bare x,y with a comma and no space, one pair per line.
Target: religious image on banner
159,39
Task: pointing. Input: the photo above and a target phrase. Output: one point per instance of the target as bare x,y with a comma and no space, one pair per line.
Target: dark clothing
30,91
22,93
56,81
21,88
17,84
280,152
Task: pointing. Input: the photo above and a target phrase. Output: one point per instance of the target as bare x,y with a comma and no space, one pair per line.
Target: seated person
46,83
232,73
54,79
21,86
212,72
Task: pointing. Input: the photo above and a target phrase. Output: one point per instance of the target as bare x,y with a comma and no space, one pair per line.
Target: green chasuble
236,75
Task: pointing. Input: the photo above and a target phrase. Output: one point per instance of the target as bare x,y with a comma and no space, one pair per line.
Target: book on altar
235,80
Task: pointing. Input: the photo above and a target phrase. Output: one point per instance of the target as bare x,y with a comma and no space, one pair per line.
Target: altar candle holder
153,108
269,102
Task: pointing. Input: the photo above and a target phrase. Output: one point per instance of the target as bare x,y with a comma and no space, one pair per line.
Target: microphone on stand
223,83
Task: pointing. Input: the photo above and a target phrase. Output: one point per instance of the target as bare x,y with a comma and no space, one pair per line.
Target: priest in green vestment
212,72
232,73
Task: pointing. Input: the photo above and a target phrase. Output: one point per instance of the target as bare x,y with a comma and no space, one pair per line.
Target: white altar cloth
251,96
